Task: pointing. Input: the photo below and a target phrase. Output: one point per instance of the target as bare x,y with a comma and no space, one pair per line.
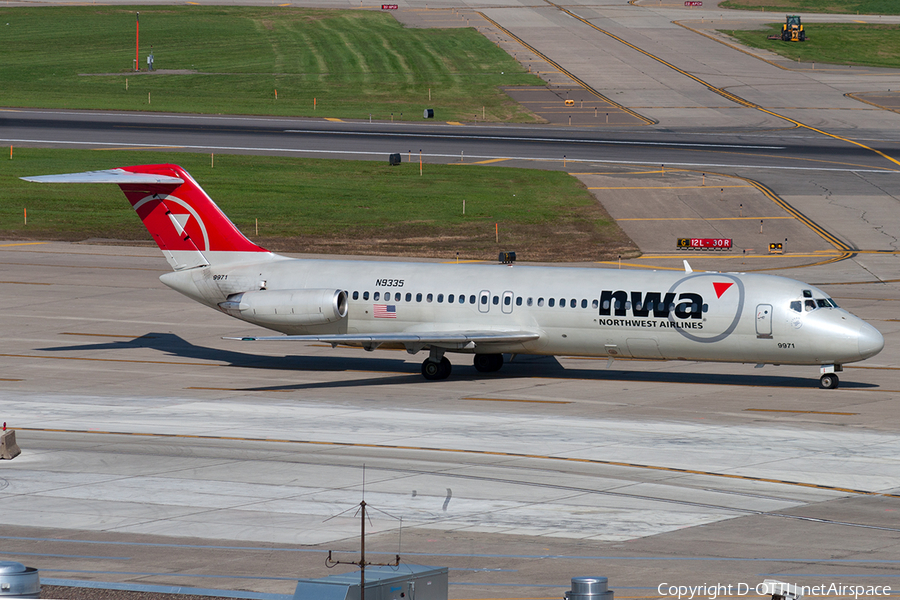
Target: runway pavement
156,453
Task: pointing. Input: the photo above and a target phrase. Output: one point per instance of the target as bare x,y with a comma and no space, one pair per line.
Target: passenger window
376,296
365,295
529,302
705,308
496,300
595,303
462,299
484,299
419,297
507,301
583,303
408,297
540,301
472,299
573,303
796,305
449,299
519,301
562,302
440,298
606,305
429,297
356,295
551,302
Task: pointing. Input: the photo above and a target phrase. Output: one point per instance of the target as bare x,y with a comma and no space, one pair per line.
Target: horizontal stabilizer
107,176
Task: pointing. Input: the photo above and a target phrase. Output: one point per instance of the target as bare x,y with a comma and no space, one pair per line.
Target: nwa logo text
621,303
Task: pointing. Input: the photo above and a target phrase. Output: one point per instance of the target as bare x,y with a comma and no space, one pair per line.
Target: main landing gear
433,371
488,363
437,367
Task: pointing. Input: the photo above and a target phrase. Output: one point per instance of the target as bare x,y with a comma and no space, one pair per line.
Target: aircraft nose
870,341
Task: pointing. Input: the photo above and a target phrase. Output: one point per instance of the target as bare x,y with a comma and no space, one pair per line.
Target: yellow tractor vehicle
792,30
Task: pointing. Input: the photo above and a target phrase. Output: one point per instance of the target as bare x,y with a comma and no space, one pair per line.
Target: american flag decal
385,311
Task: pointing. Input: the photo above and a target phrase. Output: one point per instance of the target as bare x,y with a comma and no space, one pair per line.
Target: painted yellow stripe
23,244
519,400
334,120
701,218
131,337
545,457
6,379
726,94
453,123
489,161
671,187
802,412
25,283
117,360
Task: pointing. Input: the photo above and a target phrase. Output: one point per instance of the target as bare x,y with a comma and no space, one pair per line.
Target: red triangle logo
721,288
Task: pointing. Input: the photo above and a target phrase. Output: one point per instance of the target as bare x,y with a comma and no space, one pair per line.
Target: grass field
330,206
840,44
862,7
353,63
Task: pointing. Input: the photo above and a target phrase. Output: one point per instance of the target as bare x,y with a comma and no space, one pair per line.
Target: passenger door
764,321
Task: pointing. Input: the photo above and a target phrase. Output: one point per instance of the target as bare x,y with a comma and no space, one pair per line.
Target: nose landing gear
829,379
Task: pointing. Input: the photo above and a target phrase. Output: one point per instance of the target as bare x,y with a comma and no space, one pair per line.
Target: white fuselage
730,317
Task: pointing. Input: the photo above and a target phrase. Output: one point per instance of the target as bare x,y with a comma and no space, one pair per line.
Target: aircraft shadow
406,372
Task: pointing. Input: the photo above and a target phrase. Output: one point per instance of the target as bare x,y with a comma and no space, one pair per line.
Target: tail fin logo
188,226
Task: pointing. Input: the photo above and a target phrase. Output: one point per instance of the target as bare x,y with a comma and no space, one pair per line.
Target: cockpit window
807,293
812,303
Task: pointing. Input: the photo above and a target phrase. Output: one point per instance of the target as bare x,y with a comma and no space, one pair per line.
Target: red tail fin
181,216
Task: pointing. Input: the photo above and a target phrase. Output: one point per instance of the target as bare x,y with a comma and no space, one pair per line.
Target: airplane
486,310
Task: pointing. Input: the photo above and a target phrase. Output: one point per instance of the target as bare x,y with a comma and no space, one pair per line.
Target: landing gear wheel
488,363
434,371
829,381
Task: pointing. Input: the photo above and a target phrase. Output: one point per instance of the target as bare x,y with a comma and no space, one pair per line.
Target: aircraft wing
414,341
